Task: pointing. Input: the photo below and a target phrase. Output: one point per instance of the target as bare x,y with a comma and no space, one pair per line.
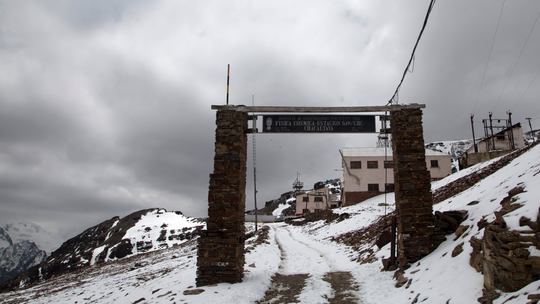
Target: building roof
381,152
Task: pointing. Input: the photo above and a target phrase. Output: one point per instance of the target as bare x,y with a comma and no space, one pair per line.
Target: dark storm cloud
105,105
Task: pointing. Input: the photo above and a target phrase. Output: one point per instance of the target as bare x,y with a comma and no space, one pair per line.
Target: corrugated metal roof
380,152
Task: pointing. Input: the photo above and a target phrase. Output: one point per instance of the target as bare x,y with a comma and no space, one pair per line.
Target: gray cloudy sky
105,105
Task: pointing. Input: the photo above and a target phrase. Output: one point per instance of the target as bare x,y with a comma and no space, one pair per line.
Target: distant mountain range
453,147
23,245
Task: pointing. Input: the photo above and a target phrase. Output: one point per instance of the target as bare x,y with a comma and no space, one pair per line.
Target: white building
494,146
316,200
368,172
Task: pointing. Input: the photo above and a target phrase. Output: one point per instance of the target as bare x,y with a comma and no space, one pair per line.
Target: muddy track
342,283
288,286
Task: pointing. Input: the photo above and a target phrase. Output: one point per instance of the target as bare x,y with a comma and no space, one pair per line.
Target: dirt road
310,272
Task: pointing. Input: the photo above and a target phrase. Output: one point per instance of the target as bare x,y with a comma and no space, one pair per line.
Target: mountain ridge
142,231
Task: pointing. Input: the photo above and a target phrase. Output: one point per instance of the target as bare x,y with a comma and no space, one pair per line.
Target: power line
489,57
411,60
535,114
526,89
513,68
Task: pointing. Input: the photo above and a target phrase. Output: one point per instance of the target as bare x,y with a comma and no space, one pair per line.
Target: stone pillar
414,201
221,245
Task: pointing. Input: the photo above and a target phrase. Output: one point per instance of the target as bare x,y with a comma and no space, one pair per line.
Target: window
356,165
305,199
373,187
372,164
500,137
434,163
389,164
318,198
390,187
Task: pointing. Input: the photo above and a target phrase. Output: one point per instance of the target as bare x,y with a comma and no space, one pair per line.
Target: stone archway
221,245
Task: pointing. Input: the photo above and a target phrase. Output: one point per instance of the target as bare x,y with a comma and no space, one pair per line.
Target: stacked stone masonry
417,234
221,245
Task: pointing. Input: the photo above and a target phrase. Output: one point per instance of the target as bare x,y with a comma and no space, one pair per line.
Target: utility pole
491,128
530,126
473,138
511,131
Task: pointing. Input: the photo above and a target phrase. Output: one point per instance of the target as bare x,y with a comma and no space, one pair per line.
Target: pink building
368,172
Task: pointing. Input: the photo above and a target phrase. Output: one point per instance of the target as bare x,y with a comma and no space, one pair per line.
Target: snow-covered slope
281,207
142,231
445,276
438,276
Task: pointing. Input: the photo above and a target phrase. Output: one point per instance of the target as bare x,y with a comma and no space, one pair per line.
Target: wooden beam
269,109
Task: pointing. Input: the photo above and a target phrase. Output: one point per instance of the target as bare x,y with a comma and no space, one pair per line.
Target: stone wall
476,158
414,204
508,259
353,198
221,246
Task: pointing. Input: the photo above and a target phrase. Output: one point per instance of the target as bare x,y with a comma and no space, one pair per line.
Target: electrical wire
537,73
513,68
411,60
535,114
489,58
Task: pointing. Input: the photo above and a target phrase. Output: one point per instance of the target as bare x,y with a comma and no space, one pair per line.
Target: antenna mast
297,184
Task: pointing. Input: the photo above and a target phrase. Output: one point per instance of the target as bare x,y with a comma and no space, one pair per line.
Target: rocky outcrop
5,239
508,264
508,259
18,257
272,205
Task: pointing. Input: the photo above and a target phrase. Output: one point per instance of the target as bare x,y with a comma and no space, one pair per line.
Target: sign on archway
221,245
318,124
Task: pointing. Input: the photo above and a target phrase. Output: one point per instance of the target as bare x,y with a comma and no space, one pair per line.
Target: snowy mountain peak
27,231
5,239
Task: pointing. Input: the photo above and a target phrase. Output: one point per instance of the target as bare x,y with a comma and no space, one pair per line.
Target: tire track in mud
303,266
